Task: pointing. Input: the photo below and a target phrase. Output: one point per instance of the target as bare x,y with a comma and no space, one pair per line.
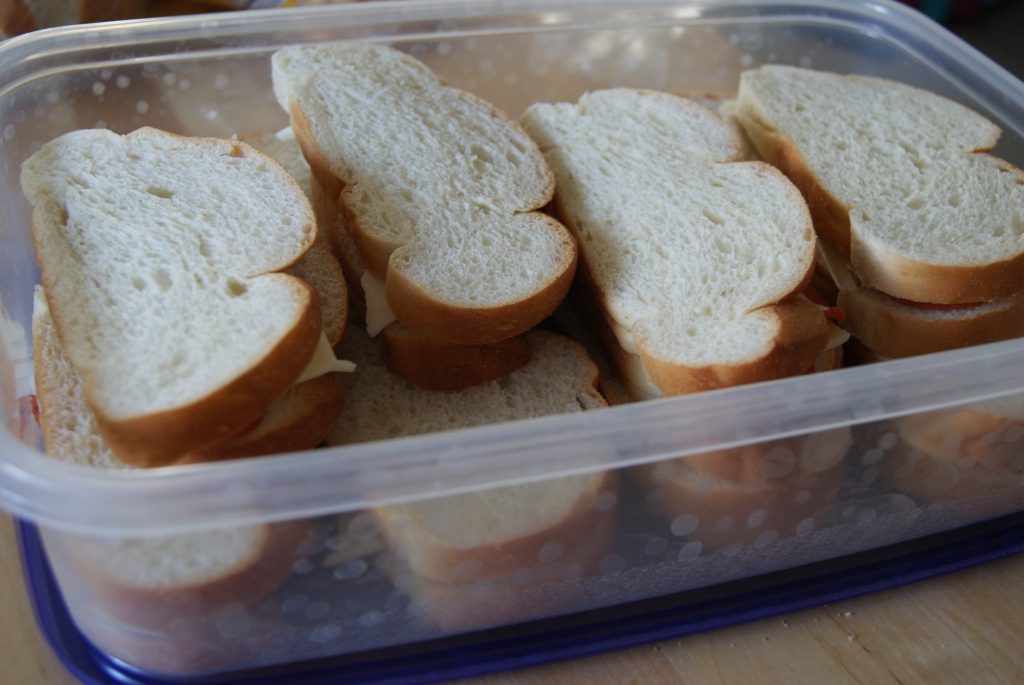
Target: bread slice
418,358
894,328
489,534
331,221
318,267
560,378
169,590
693,260
547,585
724,105
438,190
148,581
966,456
433,365
750,495
163,286
69,428
989,434
298,420
896,178
975,490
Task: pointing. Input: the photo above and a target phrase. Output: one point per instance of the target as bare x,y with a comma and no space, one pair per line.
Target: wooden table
966,627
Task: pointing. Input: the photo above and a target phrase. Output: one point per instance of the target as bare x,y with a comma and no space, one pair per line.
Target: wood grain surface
966,627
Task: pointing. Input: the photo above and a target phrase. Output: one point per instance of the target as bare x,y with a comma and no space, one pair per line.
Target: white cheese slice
324,362
378,311
836,265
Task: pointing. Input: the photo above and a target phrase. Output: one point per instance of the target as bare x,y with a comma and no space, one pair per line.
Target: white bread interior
692,258
560,378
145,582
988,434
297,420
164,288
541,587
68,425
896,178
976,487
318,267
739,496
489,534
437,188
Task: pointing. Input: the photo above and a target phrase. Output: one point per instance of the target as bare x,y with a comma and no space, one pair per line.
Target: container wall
267,594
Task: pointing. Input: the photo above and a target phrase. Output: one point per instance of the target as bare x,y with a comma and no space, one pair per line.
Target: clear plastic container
832,460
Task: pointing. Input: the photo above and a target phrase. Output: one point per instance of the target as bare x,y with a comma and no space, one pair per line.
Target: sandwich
921,230
433,194
692,271
423,361
169,297
318,267
156,599
700,282
968,456
479,559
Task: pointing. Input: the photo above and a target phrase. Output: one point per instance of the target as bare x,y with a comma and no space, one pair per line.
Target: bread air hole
235,288
713,218
481,158
160,192
162,280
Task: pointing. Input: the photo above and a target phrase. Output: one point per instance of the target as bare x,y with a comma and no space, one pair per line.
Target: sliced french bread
146,584
896,178
437,188
749,495
318,267
490,534
692,259
69,428
165,289
981,489
542,587
989,434
434,365
420,359
297,420
892,328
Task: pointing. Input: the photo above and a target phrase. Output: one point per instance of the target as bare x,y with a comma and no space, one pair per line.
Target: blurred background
996,30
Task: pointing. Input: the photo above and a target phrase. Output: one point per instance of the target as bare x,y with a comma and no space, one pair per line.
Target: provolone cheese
285,133
324,362
836,265
378,311
836,336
